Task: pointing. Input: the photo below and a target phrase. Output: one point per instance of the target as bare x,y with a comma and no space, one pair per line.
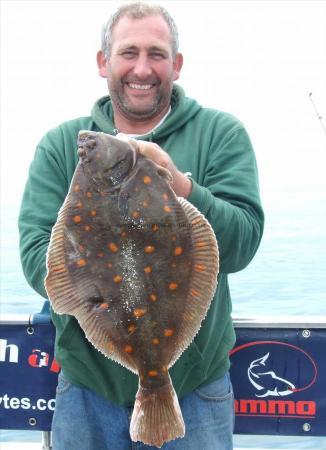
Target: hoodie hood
182,110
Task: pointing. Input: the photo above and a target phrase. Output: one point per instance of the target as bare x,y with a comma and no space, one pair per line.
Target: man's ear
101,64
177,64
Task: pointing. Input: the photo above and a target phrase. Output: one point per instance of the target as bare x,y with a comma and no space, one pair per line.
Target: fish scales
137,267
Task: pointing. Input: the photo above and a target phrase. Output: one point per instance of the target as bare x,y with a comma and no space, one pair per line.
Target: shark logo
266,381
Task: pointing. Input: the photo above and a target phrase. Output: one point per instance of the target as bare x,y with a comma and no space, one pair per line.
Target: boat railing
278,372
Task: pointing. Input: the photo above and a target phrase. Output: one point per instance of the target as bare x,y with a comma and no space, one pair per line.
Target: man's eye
157,55
128,54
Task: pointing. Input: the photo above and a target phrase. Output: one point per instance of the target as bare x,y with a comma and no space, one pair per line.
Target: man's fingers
179,182
155,153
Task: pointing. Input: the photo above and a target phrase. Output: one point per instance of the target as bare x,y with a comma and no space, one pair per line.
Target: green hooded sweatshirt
215,148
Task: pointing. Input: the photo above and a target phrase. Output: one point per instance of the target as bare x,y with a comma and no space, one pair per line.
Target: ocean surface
286,277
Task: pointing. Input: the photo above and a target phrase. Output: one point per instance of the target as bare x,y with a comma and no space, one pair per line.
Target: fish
137,267
268,379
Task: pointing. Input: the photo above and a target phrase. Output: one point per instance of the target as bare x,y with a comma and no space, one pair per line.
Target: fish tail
157,416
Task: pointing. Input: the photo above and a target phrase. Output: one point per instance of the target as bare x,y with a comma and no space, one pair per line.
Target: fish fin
102,338
157,416
203,277
61,293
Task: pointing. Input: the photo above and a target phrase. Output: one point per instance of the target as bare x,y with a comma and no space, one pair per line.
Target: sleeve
43,196
229,198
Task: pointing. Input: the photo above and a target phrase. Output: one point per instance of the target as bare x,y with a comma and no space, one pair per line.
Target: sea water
286,277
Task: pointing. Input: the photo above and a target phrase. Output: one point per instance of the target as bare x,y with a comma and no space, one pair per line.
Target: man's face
140,69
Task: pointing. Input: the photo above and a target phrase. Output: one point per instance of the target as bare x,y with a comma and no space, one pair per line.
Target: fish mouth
84,136
86,141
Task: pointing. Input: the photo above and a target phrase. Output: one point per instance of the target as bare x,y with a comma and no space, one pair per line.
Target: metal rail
239,321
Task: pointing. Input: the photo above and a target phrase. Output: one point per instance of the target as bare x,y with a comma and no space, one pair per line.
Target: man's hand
180,183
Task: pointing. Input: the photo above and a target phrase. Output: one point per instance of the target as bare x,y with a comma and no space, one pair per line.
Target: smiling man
140,60
140,71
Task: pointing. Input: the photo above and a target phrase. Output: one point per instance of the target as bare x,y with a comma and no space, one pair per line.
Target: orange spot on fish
167,208
109,265
76,188
128,349
173,286
147,179
89,194
165,197
117,279
149,249
148,269
178,251
139,312
153,297
93,213
199,267
155,341
135,214
79,204
87,228
77,219
196,221
81,262
153,373
145,204
123,234
132,328
154,227
104,305
200,244
164,369
113,247
168,332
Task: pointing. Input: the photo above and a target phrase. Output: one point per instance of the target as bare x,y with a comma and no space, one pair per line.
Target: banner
278,376
28,376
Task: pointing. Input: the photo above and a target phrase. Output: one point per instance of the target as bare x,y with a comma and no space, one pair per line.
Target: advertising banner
28,376
278,377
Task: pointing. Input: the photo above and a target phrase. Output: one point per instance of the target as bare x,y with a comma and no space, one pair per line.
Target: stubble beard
159,103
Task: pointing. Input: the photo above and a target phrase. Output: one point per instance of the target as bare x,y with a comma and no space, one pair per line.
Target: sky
258,60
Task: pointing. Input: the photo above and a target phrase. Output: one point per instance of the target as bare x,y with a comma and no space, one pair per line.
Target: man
140,60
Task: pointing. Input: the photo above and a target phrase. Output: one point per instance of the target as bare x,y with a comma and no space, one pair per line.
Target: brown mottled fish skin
137,267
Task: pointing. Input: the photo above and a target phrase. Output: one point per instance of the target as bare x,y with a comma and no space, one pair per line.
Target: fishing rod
320,117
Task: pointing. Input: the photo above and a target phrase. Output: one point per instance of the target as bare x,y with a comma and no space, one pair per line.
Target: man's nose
143,67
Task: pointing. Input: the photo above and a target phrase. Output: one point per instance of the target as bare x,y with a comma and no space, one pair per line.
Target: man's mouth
142,87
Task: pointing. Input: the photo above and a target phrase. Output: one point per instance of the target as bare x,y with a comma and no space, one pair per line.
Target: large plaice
137,267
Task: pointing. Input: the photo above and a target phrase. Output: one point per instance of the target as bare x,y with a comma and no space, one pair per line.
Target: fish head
106,160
